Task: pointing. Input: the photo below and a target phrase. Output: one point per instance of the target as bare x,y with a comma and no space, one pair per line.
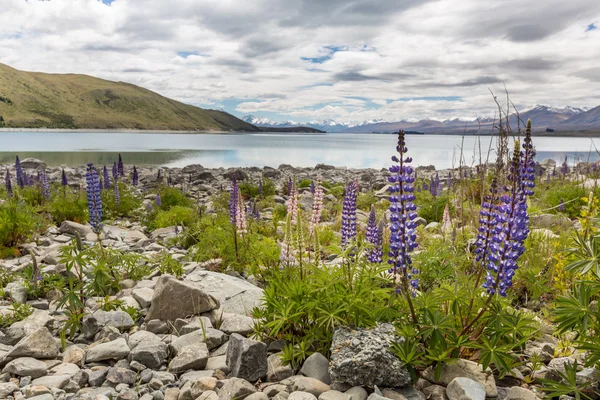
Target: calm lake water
266,149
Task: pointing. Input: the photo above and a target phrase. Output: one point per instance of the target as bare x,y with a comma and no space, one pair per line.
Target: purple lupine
63,180
93,196
375,254
561,206
45,186
433,187
115,171
135,178
349,214
255,213
290,185
487,223
425,186
8,183
26,180
120,167
117,194
158,200
106,178
312,187
564,168
233,200
402,215
19,171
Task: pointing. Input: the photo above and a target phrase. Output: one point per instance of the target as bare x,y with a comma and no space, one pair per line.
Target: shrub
171,197
129,202
176,215
570,193
32,195
66,205
18,223
431,208
365,201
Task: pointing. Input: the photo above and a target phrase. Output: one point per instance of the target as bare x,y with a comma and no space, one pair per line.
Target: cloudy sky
348,60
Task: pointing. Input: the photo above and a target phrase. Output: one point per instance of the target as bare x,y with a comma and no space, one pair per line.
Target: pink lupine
317,206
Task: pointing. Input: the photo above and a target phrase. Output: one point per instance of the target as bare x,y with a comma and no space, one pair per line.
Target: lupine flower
255,212
120,167
19,170
135,178
45,186
425,186
561,206
487,223
63,180
317,209
115,171
149,207
93,196
290,186
349,214
402,215
233,201
26,180
312,187
117,194
564,168
260,188
292,204
240,216
106,178
446,221
158,200
374,255
8,183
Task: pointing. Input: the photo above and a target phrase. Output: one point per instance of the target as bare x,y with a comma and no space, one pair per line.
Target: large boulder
26,366
33,163
247,358
39,344
234,388
235,295
357,357
465,389
99,319
174,299
73,228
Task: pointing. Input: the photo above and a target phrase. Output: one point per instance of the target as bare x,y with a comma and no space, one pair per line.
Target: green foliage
66,205
365,201
569,192
110,304
171,197
174,216
129,202
431,208
19,223
169,265
31,195
569,385
18,312
250,190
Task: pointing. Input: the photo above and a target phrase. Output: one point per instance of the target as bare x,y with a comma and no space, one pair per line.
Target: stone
258,396
7,389
143,296
465,389
334,395
46,396
73,228
157,326
301,396
19,330
97,377
65,369
519,393
276,371
52,381
317,366
392,394
174,299
356,393
95,394
210,395
16,291
435,392
375,396
39,344
193,376
556,367
212,337
74,355
305,384
26,366
202,385
357,357
239,324
235,388
247,358
115,350
151,354
464,369
235,295
121,375
171,393
93,323
219,362
192,357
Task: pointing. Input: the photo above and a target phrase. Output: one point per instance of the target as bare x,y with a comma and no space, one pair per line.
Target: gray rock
435,392
465,389
16,291
375,396
519,393
356,393
240,324
174,299
548,221
115,350
317,366
74,355
219,362
335,395
46,396
192,357
392,394
247,358
26,366
19,330
464,369
121,375
152,354
193,376
38,344
7,389
301,396
93,323
235,388
357,357
96,378
202,385
73,228
305,384
258,396
141,337
51,381
157,326
143,296
276,371
95,394
210,395
212,337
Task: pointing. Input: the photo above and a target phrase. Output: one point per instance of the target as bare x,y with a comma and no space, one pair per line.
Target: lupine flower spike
117,194
240,220
20,175
315,218
402,215
375,254
312,187
115,171
93,195
45,186
120,167
260,188
135,178
292,204
233,201
63,180
106,178
158,200
290,185
349,214
561,206
8,183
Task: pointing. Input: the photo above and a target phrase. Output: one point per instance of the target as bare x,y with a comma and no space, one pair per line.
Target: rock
357,357
16,291
143,296
335,395
209,395
356,393
193,376
392,394
548,221
202,385
240,324
556,367
235,295
410,393
97,377
247,358
465,389
276,371
74,355
258,396
317,366
238,174
212,337
192,357
115,350
375,396
173,299
95,394
33,163
65,369
464,369
171,394
7,389
301,396
235,388
305,384
121,375
157,326
52,381
73,228
219,362
47,396
435,392
152,354
26,366
93,323
39,344
19,330
519,393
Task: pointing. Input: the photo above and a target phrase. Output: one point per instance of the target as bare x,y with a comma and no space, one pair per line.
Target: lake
266,149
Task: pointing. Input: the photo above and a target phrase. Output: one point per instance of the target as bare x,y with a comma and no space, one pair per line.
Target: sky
306,60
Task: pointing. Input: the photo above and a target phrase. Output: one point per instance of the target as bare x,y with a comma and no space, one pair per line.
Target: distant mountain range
544,118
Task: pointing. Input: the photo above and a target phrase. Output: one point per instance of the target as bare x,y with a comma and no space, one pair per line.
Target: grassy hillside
39,100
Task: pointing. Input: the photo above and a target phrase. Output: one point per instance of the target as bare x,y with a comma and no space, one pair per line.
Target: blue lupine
561,205
117,194
93,196
8,183
115,171
135,178
564,168
234,193
45,186
349,214
290,185
402,215
19,171
312,187
375,254
255,212
487,222
425,186
158,200
120,167
63,180
106,178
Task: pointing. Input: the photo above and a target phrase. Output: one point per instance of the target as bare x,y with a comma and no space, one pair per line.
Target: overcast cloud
314,59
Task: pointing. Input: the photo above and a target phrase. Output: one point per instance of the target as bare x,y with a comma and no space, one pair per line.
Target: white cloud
374,55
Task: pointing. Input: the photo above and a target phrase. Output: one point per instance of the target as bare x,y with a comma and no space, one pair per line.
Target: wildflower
149,207
487,222
115,171
446,221
290,186
240,216
64,181
402,215
561,206
117,194
135,178
349,214
158,200
8,183
45,186
312,187
20,175
93,196
292,204
375,237
255,212
564,168
106,178
233,201
315,218
120,168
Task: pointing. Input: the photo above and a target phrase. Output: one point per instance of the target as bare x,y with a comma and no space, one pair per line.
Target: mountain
590,117
39,100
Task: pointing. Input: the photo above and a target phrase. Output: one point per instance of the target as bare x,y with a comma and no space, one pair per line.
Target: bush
431,208
171,197
129,202
176,215
365,201
571,193
32,195
66,205
18,224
